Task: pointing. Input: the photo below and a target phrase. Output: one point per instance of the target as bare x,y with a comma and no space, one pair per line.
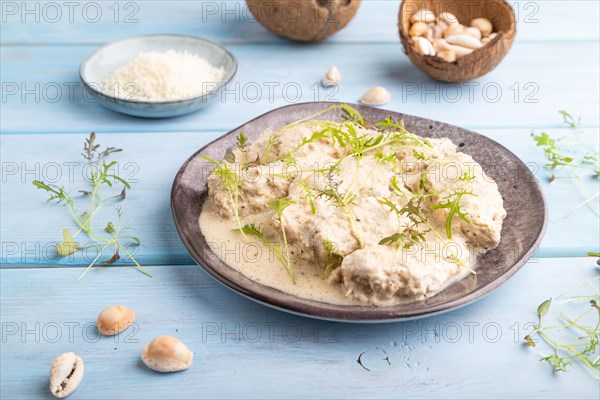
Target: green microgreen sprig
279,206
344,202
100,175
255,231
453,206
585,346
382,143
333,259
417,214
232,182
566,153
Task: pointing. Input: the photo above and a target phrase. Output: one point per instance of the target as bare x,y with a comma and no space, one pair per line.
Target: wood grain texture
152,160
245,350
230,22
274,75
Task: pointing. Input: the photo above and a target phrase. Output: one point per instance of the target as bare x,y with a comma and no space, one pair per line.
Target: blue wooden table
242,349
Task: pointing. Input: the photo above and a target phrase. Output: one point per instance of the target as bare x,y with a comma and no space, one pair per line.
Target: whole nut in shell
423,46
441,44
114,319
488,39
464,40
478,62
459,50
448,18
476,33
423,15
435,32
443,26
332,77
167,354
66,374
303,20
419,29
377,96
453,29
484,26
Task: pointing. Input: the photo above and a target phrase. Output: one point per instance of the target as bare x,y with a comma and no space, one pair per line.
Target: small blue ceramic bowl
97,68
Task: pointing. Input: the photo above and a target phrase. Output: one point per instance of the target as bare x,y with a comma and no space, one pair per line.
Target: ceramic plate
97,68
522,230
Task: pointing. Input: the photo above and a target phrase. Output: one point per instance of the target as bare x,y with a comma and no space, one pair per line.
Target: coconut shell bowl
470,66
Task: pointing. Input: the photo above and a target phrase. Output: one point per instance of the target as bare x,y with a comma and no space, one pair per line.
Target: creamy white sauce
374,274
255,261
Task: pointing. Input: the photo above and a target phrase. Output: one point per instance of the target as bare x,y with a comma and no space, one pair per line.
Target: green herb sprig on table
584,345
100,176
571,154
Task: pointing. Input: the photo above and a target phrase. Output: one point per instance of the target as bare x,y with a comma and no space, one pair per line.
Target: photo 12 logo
54,12
247,92
65,172
268,332
60,332
470,92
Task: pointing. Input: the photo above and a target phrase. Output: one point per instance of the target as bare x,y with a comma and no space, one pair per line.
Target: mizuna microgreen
570,153
279,206
232,182
416,213
255,231
584,344
454,208
241,142
350,141
100,175
339,200
407,238
309,195
333,259
553,153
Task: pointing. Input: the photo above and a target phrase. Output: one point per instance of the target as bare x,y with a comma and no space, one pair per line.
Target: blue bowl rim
221,85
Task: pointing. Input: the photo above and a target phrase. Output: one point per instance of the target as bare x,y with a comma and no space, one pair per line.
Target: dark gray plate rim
101,94
522,231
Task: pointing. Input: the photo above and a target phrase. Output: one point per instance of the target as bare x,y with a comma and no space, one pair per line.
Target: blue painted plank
425,359
30,228
246,350
230,22
524,91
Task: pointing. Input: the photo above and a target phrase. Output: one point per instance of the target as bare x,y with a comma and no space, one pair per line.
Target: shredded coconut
171,75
